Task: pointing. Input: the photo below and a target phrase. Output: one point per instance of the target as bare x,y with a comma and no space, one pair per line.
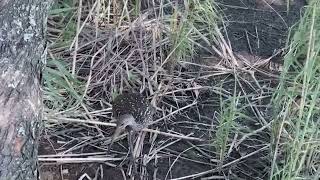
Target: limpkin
132,112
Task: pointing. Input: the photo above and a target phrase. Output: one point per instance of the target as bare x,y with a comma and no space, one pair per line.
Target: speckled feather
134,104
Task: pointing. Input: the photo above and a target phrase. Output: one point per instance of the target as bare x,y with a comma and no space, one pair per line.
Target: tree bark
22,58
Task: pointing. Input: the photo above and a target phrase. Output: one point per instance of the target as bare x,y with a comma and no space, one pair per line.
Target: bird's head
123,122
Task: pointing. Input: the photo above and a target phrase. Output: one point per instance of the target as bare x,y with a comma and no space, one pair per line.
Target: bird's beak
116,134
113,120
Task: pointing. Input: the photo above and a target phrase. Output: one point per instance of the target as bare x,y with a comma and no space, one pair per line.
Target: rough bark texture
22,56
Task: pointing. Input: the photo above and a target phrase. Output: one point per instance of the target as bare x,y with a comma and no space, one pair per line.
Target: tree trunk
22,57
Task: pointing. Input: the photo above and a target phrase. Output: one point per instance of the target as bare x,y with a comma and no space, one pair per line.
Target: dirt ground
251,27
256,28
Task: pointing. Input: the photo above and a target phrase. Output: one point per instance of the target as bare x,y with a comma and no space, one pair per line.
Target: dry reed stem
114,125
79,160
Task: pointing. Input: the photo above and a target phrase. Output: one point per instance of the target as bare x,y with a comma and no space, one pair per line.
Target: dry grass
100,48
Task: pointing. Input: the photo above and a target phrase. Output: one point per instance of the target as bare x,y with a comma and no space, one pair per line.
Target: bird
132,112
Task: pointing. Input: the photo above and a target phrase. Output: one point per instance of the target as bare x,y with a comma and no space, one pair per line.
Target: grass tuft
296,138
226,126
